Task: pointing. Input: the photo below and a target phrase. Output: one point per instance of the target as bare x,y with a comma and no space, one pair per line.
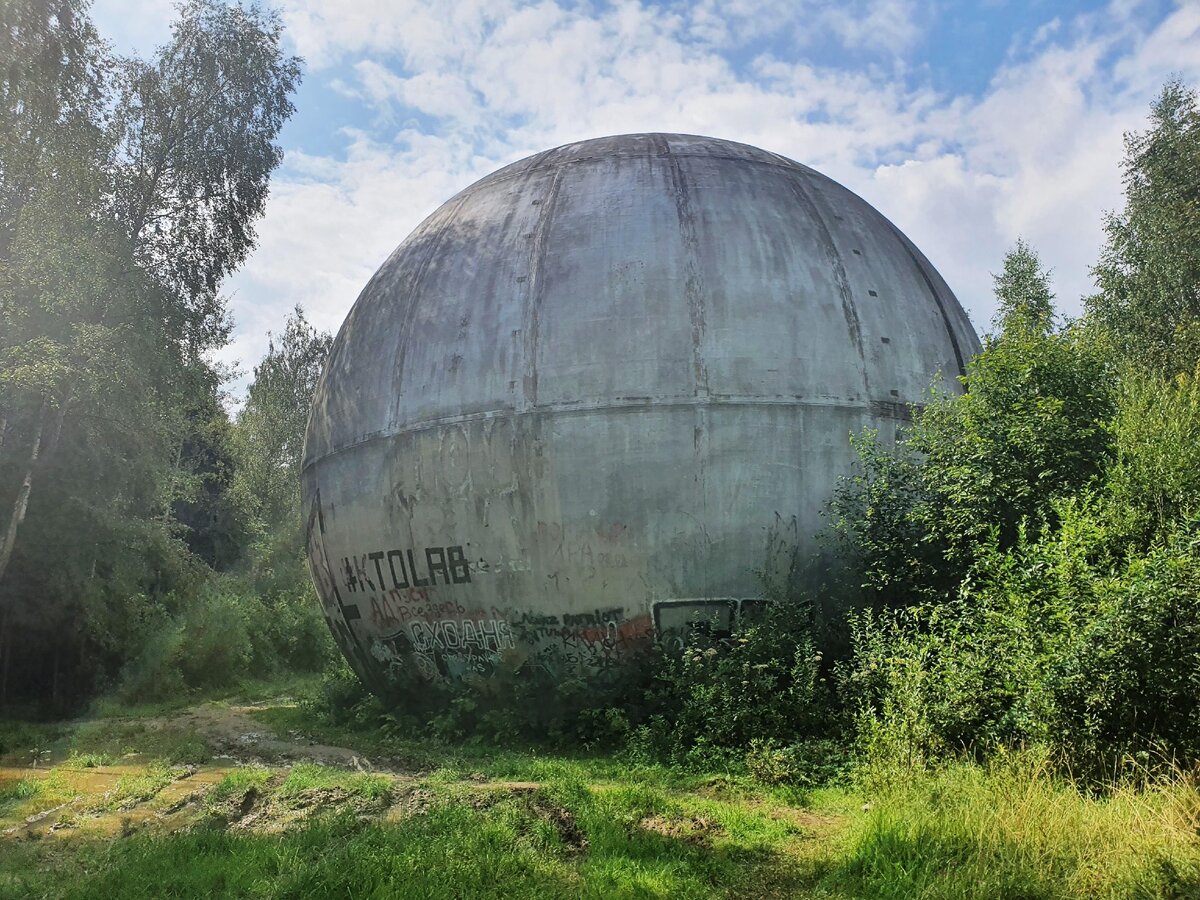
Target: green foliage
705,704
1025,302
194,134
544,704
879,513
340,698
968,674
1148,305
128,192
89,760
18,737
215,526
1154,481
219,635
217,641
1128,681
1034,543
809,763
525,706
1031,428
206,646
269,436
1078,640
267,441
979,468
290,633
765,682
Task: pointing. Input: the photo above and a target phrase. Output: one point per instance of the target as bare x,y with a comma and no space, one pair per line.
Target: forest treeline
147,540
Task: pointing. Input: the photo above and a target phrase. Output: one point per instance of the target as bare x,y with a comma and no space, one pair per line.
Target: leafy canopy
129,190
1148,275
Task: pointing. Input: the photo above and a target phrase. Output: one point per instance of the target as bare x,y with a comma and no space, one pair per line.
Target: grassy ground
183,803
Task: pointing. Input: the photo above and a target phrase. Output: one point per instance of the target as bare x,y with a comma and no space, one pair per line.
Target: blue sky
967,124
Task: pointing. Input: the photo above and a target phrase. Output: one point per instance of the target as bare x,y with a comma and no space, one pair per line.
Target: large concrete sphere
600,392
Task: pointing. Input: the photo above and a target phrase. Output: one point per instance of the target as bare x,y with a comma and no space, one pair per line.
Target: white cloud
879,25
1036,154
332,223
888,24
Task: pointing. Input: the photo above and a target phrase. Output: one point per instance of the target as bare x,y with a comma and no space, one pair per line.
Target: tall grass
1015,829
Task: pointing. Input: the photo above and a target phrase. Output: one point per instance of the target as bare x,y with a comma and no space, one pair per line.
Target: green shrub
303,642
340,698
710,702
1155,480
978,470
699,708
808,763
1031,548
287,630
1128,682
155,674
206,646
217,648
571,708
1054,643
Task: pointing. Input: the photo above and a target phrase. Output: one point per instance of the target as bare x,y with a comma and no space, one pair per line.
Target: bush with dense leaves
1128,682
712,701
220,635
1085,639
206,646
978,469
1032,550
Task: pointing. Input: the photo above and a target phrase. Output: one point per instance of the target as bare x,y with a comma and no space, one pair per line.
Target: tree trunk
170,504
22,501
5,652
58,425
54,701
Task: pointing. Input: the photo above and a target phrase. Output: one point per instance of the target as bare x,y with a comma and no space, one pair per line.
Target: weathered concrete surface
602,382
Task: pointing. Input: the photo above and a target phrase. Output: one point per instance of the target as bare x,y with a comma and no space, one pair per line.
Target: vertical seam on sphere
417,294
531,317
693,285
853,325
937,296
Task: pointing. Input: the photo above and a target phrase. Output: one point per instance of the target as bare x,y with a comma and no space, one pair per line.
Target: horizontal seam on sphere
578,409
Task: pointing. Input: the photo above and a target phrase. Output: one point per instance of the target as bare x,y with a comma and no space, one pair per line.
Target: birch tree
129,190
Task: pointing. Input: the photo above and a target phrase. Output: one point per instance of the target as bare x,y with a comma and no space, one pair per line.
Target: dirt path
62,795
233,734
